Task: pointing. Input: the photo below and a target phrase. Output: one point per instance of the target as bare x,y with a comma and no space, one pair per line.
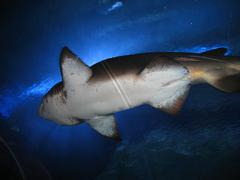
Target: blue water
32,36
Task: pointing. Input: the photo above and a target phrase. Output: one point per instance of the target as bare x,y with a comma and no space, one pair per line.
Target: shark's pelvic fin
106,126
162,67
174,104
215,52
74,70
167,68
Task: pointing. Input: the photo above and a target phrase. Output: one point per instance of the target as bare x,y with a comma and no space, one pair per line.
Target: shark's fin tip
106,126
215,52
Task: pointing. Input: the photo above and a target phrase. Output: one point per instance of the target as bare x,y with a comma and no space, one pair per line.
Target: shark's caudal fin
226,75
223,81
221,74
216,69
106,126
74,71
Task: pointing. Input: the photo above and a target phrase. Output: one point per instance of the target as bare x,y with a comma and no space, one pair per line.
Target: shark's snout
41,109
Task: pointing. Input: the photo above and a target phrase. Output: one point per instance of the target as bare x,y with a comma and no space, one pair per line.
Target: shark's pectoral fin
74,70
106,126
70,121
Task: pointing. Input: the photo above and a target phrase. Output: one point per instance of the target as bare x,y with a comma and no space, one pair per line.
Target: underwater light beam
200,49
115,6
10,99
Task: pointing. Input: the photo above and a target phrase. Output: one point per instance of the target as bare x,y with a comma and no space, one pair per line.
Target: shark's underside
162,80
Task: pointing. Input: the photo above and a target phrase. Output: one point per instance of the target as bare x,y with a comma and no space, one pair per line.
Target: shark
160,79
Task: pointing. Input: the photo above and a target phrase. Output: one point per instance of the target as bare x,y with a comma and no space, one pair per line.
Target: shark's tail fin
223,75
212,67
220,79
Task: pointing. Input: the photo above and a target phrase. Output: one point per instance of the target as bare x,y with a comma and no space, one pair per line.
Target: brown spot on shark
58,90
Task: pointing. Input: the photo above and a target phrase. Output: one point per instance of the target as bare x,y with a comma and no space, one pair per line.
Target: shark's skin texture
162,80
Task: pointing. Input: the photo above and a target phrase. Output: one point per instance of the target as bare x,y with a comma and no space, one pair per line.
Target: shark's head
54,105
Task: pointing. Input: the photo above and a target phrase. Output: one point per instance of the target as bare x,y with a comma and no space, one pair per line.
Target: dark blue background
32,34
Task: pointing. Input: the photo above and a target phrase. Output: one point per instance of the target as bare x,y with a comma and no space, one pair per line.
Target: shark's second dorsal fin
74,71
215,52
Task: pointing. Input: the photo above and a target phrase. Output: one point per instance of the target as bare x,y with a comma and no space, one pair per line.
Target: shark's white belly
128,91
162,80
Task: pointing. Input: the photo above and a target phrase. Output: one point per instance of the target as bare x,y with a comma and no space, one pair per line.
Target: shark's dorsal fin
215,52
74,71
106,126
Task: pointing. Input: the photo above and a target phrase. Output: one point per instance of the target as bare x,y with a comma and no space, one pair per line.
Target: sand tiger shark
162,80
